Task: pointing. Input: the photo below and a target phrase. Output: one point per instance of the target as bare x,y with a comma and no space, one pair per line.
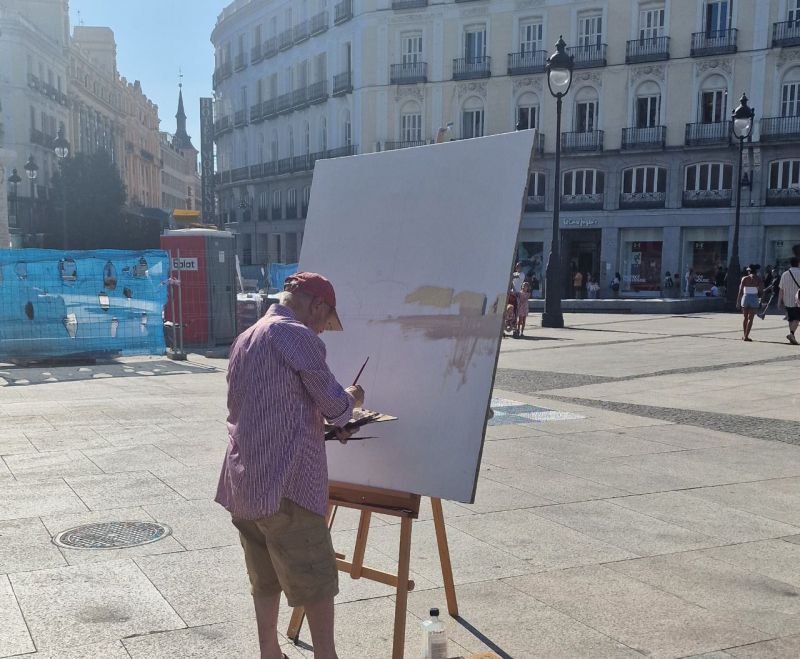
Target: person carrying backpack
789,297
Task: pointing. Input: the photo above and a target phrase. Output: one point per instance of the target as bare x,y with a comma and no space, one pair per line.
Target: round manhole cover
112,535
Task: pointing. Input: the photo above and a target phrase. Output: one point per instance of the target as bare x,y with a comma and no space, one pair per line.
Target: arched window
411,123
785,175
706,176
790,91
527,111
583,182
647,111
472,118
713,107
587,108
644,180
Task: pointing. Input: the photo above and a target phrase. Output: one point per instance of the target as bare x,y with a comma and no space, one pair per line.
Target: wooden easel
397,504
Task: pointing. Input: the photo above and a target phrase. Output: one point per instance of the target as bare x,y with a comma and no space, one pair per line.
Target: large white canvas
419,244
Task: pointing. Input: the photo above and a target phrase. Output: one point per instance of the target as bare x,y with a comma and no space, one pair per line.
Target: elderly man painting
274,479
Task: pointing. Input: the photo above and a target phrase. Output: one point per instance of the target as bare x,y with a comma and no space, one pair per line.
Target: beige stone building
140,163
648,182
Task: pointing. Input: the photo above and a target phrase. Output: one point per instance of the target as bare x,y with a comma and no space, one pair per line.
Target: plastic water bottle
434,644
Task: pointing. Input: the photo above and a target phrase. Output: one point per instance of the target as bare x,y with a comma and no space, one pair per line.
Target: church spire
182,139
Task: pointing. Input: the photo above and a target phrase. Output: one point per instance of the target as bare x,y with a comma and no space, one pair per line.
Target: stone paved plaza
639,496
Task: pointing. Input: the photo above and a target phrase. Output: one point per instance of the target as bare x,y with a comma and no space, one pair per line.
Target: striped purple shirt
279,392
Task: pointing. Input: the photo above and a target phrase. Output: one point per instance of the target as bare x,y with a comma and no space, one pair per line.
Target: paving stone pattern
628,505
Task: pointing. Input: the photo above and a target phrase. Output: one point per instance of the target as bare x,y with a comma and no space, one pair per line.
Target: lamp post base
555,320
732,282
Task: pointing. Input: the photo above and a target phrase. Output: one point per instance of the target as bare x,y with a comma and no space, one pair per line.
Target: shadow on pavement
13,376
483,638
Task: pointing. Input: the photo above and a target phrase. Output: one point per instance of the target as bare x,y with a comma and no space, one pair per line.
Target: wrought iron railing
408,73
593,201
532,61
270,47
783,197
468,68
301,32
403,144
256,53
642,200
240,118
285,39
707,198
588,57
779,129
534,203
343,11
343,83
318,23
652,49
285,165
284,103
786,34
700,133
576,142
644,138
239,63
408,4
713,42
317,92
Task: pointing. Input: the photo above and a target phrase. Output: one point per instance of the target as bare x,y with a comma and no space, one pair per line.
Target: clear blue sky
154,39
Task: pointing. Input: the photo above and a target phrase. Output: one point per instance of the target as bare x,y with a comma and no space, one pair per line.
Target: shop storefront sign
579,222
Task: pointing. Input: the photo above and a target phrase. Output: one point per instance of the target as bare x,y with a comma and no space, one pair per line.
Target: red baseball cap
316,285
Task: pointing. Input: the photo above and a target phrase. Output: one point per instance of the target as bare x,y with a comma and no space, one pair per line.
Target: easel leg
299,612
444,557
401,603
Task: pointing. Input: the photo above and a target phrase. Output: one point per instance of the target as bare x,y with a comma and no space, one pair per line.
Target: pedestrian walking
517,277
522,307
771,287
789,296
748,299
274,478
668,284
691,282
615,284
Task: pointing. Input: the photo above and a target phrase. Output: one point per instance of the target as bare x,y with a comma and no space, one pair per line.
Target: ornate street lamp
15,180
61,147
559,80
742,127
32,170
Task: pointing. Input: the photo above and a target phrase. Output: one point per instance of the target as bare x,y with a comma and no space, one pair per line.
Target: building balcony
317,92
299,99
707,198
653,49
268,109
34,82
318,23
783,197
256,113
240,118
713,42
223,72
342,12
285,165
532,61
301,32
786,34
238,63
256,171
642,200
534,203
701,134
286,39
582,202
588,141
256,53
470,68
283,104
343,83
588,57
300,163
240,174
409,4
404,144
652,137
269,169
341,151
270,48
780,129
222,126
224,178
408,73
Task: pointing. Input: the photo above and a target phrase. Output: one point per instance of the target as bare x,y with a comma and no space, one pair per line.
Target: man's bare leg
320,622
267,621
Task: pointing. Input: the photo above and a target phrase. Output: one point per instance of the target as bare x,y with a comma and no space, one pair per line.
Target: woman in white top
749,298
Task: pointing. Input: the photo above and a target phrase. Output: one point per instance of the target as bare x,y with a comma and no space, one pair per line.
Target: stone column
7,159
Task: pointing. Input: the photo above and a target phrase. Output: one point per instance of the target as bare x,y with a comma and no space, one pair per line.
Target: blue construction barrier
278,272
56,304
